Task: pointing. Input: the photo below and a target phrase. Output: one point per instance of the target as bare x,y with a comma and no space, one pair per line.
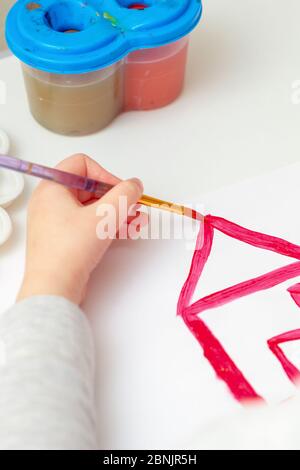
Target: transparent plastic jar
121,55
75,104
155,77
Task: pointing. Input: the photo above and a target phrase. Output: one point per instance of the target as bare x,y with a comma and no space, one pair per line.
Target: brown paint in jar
75,104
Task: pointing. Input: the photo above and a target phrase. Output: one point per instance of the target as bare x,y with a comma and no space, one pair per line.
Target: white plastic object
11,183
5,226
4,143
11,186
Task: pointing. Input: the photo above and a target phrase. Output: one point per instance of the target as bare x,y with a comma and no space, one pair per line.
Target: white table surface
235,119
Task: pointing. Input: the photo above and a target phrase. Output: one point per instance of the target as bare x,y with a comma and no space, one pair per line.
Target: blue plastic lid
104,30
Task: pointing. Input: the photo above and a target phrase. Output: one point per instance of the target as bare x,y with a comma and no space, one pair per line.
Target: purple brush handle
61,177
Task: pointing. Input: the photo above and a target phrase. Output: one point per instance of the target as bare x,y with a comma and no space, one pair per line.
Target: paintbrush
98,188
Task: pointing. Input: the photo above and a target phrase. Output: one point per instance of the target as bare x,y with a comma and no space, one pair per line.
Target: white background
235,120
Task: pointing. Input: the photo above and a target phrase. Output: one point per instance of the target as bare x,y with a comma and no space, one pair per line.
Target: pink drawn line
291,371
223,365
295,293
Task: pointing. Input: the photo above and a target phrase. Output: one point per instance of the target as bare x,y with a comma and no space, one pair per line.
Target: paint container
155,77
75,104
85,62
11,183
5,226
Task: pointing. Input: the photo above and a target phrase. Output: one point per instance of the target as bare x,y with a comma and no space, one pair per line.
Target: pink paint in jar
155,77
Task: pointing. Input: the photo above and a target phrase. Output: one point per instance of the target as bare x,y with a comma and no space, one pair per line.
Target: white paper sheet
155,389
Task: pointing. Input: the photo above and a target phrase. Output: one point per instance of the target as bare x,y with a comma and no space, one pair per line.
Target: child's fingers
135,217
135,223
81,164
115,205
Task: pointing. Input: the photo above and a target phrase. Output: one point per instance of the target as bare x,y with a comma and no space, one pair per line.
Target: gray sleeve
46,376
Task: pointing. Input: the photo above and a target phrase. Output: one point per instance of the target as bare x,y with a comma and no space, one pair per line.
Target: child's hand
62,246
